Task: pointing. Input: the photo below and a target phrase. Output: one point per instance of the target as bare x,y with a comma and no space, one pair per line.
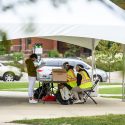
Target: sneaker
33,101
77,101
82,100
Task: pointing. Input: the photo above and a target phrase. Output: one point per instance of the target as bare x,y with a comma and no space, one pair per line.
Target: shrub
53,53
17,56
111,66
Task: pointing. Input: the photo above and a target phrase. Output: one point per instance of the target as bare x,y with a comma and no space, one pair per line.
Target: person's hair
65,63
33,56
81,67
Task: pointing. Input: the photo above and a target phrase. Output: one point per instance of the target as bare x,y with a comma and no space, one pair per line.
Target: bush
2,50
115,66
53,53
69,54
17,56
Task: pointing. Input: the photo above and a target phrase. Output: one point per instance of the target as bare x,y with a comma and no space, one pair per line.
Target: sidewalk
13,94
15,106
25,94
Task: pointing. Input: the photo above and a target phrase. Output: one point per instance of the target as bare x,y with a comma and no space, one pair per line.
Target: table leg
40,91
52,86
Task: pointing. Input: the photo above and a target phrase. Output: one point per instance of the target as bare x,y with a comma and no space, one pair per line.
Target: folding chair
89,91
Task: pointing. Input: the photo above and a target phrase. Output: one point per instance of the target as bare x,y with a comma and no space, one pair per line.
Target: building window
28,42
20,44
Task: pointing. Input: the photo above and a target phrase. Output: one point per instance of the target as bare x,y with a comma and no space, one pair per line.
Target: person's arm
79,79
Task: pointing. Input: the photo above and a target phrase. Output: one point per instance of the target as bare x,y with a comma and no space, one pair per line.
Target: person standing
31,69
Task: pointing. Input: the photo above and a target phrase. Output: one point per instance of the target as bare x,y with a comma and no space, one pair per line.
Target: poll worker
83,83
71,77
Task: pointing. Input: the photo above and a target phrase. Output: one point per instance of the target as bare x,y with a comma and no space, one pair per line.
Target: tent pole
123,80
93,57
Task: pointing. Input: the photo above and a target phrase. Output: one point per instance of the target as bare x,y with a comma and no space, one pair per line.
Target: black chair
87,93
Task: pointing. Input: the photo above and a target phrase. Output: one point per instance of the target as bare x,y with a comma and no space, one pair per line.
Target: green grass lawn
115,90
15,86
93,120
22,87
106,83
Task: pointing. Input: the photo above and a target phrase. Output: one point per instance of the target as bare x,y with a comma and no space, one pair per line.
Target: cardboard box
59,75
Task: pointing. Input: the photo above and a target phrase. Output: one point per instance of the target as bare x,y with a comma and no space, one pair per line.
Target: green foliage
72,50
17,56
5,44
108,57
115,66
2,49
53,53
118,1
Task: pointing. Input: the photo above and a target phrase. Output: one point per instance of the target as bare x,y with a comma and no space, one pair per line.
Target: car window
51,63
72,63
63,61
85,65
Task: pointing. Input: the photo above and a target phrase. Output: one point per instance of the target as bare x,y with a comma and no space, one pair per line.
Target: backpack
49,98
43,90
63,96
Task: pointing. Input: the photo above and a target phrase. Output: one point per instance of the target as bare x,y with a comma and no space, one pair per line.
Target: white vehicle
9,73
45,71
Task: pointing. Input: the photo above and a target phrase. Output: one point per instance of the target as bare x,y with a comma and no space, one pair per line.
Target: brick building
26,45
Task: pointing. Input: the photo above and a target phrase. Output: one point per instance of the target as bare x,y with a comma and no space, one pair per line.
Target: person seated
71,77
64,95
83,83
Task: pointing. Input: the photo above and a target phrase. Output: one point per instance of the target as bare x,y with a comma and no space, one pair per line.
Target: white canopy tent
81,19
79,22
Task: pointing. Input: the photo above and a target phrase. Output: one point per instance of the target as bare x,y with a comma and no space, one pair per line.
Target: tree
5,44
2,49
53,53
120,3
17,56
72,50
106,54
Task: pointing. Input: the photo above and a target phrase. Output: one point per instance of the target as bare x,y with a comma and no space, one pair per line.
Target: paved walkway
110,86
25,95
17,107
110,95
